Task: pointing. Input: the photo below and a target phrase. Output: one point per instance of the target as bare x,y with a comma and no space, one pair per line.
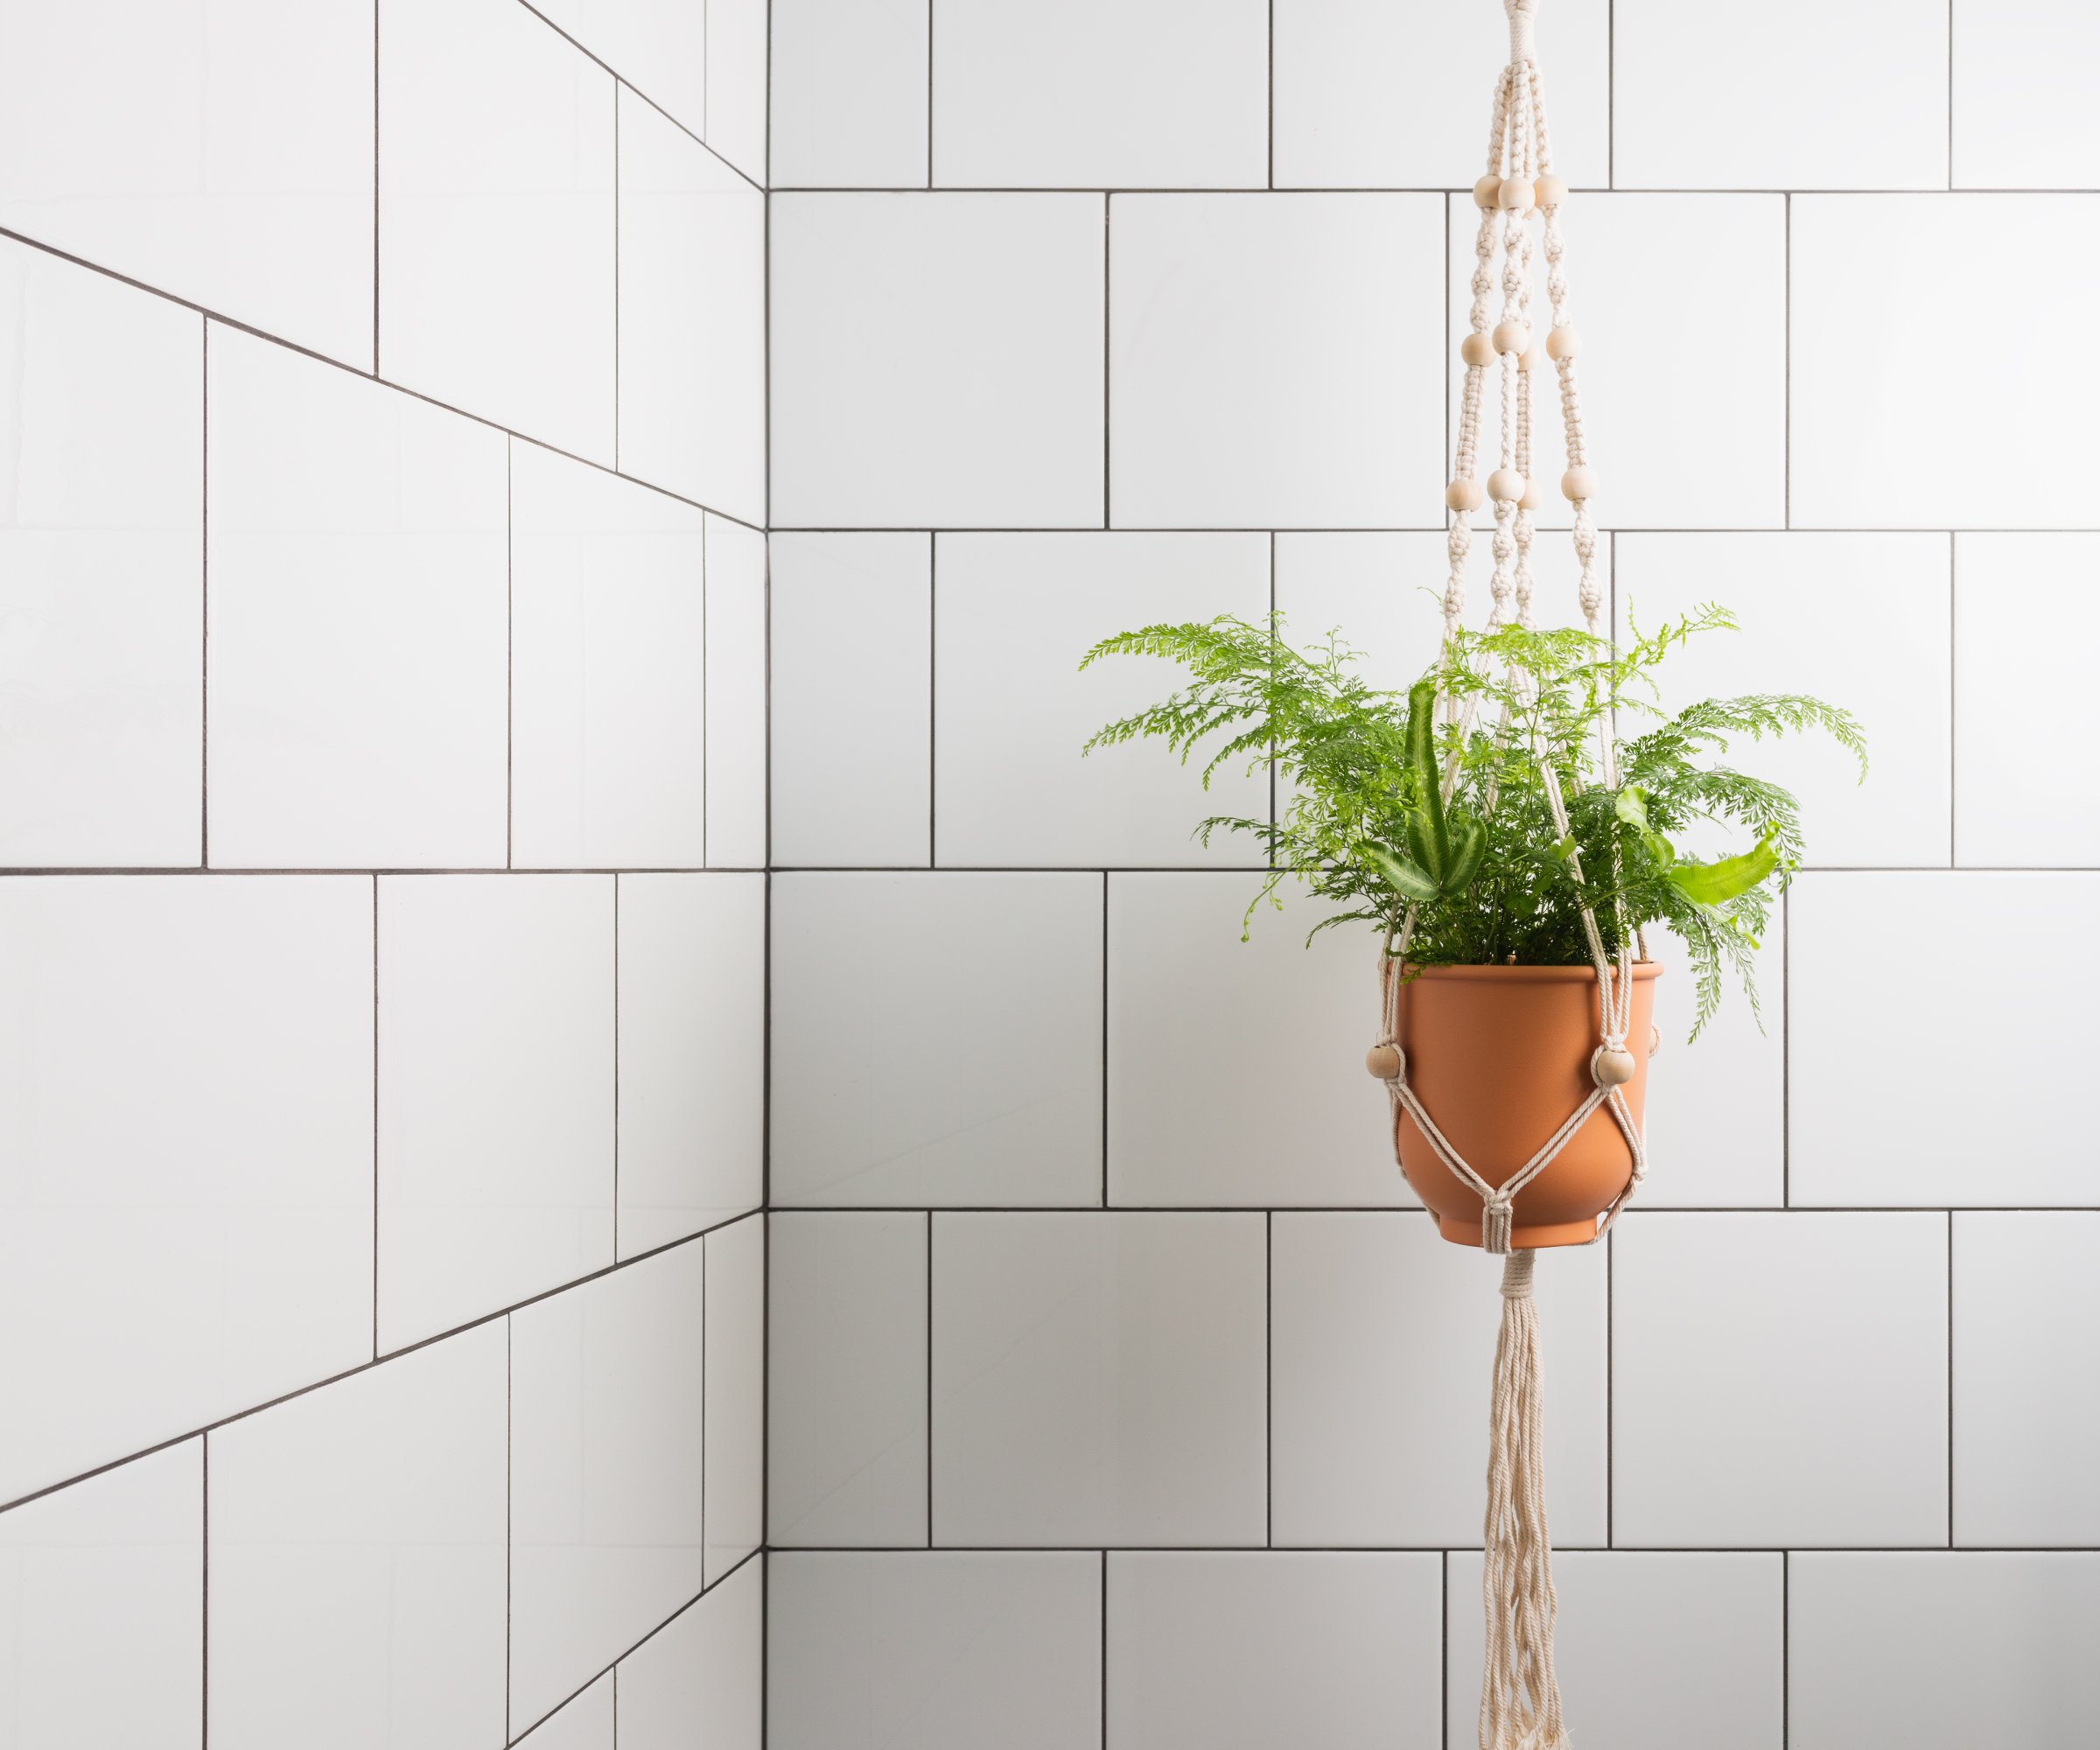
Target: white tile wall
736,83
735,1420
657,47
701,1679
101,605
106,1576
584,1724
849,94
2018,115
945,1651
736,695
496,1093
898,1027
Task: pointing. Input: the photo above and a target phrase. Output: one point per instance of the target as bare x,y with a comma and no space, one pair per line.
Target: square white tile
1244,1652
582,1724
2026,1351
701,1679
1101,93
356,618
1779,1380
735,1423
853,680
736,695
2018,98
941,1649
1270,361
607,1384
222,154
106,1576
657,47
1379,1416
737,52
937,1038
849,94
692,317
1903,422
937,360
101,602
1013,615
357,1553
496,1093
1875,1115
185,1100
496,221
1098,1379
846,1308
692,1054
608,649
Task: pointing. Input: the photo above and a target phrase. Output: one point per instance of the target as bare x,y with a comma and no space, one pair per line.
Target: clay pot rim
1643,970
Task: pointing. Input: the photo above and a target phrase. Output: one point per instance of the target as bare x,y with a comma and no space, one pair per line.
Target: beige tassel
1520,1695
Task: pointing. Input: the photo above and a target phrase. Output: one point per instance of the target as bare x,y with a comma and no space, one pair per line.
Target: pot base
1522,1239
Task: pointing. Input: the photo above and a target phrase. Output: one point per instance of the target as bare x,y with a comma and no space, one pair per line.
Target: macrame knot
1522,15
1517,1275
1495,1219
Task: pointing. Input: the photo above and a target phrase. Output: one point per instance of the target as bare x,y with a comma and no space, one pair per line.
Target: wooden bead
1610,1066
1463,495
1486,191
1655,1041
1505,485
1531,358
1563,343
1532,498
1477,349
1577,484
1511,337
1515,194
1548,191
1385,1061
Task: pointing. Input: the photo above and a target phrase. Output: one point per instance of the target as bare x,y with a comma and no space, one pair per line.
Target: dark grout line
929,1379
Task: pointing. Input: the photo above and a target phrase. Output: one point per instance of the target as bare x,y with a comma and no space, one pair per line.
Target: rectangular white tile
701,1679
1923,417
1378,1430
937,360
1644,1644
941,1649
357,1554
692,1054
496,1093
101,603
1366,95
737,52
185,1100
1271,362
1944,1652
1013,615
657,47
853,680
1931,1078
582,1724
2025,619
608,631
2018,98
1779,1380
692,317
2026,1351
356,621
1101,93
1244,1652
734,1471
937,1038
1098,1379
222,154
736,695
846,1369
1699,104
849,94
496,226
106,1576
606,1385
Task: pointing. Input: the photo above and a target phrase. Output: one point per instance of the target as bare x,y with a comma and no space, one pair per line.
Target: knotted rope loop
1522,14
1517,1275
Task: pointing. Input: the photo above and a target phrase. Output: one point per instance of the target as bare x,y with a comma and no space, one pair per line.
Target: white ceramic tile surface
692,317
608,637
1013,615
701,1679
898,1019
899,398
584,1724
1943,1652
185,1097
219,153
606,1439
2017,101
1242,1652
496,219
1072,97
942,1650
1882,439
849,94
1779,1380
101,605
1270,362
692,1054
657,47
1383,1346
1644,1644
355,611
1878,1113
496,1093
736,695
846,1382
852,670
106,1577
357,1554
1098,1379
735,1423
736,83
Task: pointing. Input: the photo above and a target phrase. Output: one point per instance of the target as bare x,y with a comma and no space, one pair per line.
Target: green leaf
1421,846
1632,807
1466,861
1403,877
1716,883
1422,761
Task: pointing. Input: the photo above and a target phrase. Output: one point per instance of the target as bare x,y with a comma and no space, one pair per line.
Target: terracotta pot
1499,1056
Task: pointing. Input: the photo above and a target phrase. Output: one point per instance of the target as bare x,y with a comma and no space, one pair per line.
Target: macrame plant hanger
1520,1693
